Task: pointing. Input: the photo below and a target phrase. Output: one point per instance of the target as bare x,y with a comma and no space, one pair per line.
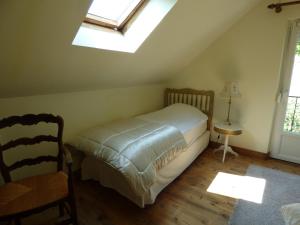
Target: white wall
251,54
37,55
80,111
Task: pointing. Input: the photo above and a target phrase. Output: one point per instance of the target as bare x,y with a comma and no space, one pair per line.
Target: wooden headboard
203,100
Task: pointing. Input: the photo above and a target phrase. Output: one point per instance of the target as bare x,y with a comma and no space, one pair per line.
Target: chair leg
73,210
61,209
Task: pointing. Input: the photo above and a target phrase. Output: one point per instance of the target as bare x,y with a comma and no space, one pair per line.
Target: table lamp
231,90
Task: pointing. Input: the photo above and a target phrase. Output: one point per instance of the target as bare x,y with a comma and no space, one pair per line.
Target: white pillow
180,109
291,214
183,117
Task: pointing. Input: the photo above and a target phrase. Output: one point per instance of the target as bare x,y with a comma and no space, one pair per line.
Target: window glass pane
116,10
294,89
292,117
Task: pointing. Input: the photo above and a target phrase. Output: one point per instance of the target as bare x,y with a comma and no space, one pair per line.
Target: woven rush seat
32,192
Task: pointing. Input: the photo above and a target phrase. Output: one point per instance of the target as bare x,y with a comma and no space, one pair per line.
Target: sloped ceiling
37,57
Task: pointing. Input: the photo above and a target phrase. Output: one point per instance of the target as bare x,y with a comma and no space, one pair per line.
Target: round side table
227,131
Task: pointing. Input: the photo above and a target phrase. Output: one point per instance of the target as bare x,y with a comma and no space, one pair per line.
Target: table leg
229,149
221,148
225,147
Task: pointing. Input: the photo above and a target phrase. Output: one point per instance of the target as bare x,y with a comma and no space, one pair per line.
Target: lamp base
227,122
228,114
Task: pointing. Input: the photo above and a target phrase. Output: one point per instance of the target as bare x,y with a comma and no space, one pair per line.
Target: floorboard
183,202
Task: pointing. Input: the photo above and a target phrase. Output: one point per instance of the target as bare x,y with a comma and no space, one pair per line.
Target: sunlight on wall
240,187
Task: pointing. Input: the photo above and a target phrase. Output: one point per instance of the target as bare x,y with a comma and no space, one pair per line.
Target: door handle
282,96
279,97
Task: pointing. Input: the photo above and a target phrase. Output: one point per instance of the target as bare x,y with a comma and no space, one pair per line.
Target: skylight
112,13
121,25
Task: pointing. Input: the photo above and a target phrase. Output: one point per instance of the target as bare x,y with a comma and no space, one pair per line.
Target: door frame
283,93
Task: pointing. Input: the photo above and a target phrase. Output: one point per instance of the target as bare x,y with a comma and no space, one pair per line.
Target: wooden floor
184,202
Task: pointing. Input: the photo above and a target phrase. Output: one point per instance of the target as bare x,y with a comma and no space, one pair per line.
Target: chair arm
69,162
68,156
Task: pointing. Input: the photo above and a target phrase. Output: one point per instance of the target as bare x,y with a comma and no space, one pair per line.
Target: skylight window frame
136,31
107,23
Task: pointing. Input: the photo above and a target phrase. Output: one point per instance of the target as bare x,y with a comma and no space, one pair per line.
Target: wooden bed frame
203,100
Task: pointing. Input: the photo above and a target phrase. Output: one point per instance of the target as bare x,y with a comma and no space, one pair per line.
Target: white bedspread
184,117
135,147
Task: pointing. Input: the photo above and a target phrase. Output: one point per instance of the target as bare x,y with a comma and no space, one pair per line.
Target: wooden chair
19,199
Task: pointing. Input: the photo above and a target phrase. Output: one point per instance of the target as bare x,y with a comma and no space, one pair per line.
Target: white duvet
184,117
140,146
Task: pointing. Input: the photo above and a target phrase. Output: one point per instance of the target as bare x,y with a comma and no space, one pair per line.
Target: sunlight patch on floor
239,187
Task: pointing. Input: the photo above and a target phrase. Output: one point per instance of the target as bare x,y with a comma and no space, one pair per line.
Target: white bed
194,127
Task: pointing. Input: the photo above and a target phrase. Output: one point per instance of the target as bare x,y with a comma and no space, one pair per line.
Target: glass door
285,142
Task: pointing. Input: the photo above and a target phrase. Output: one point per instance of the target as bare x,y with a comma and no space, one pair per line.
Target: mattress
195,131
92,168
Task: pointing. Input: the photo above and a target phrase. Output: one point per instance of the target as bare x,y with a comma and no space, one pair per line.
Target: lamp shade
231,90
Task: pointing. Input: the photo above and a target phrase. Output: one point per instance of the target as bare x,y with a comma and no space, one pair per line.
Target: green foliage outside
292,118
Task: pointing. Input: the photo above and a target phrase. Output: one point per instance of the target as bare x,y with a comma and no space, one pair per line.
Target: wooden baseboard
243,151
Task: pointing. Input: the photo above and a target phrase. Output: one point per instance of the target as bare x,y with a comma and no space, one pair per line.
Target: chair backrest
28,120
